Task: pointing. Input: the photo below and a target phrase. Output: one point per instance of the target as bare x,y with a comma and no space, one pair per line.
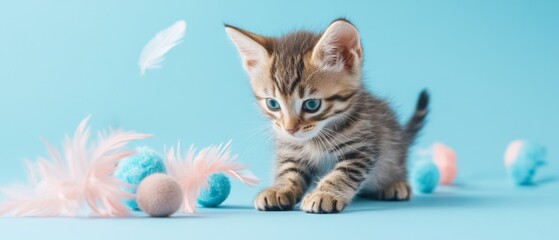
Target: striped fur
353,145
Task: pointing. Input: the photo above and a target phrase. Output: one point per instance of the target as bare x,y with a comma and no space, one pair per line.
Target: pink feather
193,170
80,177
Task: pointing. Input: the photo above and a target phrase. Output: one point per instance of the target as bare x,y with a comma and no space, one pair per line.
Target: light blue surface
492,68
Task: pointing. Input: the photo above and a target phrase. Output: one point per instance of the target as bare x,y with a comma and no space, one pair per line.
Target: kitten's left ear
339,48
254,49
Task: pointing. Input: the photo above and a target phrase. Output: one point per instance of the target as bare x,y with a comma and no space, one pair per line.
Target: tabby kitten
330,132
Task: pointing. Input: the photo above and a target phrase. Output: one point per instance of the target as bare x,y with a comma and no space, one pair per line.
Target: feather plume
154,52
80,177
192,171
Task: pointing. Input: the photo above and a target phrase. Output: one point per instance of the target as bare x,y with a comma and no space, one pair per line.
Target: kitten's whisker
328,145
332,132
337,153
253,133
264,130
349,146
321,146
325,145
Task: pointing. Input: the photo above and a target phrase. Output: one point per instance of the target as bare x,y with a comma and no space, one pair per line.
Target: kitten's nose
292,130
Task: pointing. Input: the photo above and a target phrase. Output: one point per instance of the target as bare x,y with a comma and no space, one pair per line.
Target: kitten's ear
339,48
254,49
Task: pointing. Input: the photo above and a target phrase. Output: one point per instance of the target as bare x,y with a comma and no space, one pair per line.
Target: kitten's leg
291,182
388,187
396,191
336,189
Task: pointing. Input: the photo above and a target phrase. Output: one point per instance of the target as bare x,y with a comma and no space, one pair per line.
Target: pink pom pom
512,151
445,159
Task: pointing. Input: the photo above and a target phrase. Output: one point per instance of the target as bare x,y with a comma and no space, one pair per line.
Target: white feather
154,52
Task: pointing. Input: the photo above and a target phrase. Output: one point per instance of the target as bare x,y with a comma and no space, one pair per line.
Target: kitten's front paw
322,202
397,191
275,199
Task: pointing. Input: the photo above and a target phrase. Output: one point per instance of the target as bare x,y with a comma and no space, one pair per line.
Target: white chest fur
320,160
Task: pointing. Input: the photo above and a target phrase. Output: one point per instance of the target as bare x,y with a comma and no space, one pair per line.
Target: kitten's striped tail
417,121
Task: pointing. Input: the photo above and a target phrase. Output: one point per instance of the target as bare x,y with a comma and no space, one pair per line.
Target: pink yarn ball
159,195
445,159
512,151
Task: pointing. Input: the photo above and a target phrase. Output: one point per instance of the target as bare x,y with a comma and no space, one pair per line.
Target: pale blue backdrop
492,68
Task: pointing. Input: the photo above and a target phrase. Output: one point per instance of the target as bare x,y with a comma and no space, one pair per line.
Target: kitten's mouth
301,135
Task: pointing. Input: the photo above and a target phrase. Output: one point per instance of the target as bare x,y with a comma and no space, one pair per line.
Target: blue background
492,68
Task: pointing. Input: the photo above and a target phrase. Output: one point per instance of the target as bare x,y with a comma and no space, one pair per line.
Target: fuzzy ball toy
132,170
82,178
445,159
216,192
159,195
424,176
522,158
193,170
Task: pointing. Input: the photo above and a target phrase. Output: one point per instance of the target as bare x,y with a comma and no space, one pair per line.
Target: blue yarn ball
217,191
134,169
529,158
424,176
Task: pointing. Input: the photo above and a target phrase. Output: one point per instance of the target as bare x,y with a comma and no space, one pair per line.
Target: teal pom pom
217,191
134,169
424,176
529,158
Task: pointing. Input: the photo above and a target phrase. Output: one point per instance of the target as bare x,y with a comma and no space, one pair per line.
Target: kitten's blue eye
272,104
311,105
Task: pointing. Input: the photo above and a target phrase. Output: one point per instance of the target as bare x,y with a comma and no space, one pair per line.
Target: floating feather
80,177
193,170
154,52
